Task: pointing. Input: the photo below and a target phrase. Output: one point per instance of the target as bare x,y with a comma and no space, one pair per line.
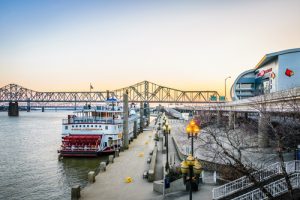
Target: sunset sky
60,45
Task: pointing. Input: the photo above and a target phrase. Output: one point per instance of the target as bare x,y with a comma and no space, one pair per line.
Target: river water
29,168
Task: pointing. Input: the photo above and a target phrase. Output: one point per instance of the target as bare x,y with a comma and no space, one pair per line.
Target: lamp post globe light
167,131
192,129
163,124
191,170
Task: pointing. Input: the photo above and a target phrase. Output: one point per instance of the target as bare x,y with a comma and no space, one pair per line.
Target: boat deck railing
79,148
80,120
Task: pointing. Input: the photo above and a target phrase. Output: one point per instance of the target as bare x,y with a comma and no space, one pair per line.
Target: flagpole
90,95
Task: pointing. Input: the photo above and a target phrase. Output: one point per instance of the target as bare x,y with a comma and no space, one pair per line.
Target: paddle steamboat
94,131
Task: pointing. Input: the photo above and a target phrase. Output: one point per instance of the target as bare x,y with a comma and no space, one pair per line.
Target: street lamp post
167,131
225,85
192,130
164,123
191,168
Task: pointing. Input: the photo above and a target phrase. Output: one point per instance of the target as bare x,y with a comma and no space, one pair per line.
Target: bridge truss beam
141,92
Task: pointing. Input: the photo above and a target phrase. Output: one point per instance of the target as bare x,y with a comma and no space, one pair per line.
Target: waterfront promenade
111,184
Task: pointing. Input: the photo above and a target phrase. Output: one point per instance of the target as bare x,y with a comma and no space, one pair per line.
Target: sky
64,45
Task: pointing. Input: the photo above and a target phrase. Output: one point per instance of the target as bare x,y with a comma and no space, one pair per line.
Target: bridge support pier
246,115
263,139
231,120
28,105
141,117
13,109
219,118
125,121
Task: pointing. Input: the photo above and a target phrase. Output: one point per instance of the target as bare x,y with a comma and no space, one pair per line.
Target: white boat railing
275,188
260,175
80,120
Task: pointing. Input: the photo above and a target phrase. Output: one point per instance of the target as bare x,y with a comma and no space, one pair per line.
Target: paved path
111,184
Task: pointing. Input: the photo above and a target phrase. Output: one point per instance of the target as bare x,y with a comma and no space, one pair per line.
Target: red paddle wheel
80,145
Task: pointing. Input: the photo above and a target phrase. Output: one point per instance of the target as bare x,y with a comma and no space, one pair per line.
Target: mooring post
102,167
111,159
75,192
91,177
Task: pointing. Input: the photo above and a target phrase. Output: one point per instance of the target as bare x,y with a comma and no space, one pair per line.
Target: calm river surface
29,168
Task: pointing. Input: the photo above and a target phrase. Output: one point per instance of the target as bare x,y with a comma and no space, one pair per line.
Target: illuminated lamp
273,75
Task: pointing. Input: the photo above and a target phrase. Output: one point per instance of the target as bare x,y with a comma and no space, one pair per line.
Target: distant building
275,71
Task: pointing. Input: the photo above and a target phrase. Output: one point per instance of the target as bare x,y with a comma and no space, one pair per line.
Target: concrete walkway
111,184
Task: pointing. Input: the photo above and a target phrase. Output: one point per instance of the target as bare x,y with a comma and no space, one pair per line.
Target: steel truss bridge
140,92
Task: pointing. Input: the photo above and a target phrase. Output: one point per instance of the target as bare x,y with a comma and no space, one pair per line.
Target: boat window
72,126
87,125
96,126
106,127
105,144
79,125
83,125
92,126
76,126
66,127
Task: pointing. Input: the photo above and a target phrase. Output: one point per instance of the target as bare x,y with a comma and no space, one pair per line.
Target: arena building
275,72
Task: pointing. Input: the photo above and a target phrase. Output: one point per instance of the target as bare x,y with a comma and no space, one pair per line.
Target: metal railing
275,189
260,175
80,120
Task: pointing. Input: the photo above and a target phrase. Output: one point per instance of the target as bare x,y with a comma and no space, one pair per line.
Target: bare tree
275,121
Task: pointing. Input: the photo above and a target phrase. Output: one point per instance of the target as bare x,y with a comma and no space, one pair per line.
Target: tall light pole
225,85
167,130
192,130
